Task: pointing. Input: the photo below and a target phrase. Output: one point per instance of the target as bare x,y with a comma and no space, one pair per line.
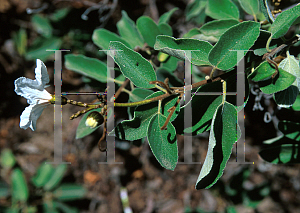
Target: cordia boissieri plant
147,54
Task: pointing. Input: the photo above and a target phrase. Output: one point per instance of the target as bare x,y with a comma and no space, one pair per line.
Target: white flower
36,95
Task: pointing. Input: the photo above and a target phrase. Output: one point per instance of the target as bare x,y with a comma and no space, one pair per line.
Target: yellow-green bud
94,119
63,100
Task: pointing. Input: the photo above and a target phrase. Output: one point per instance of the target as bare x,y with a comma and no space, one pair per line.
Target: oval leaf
148,29
239,37
222,9
217,28
175,47
90,67
43,175
56,177
163,143
250,6
165,29
102,37
164,18
19,186
222,137
133,65
82,129
67,192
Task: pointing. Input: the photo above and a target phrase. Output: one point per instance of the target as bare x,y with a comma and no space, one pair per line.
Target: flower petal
41,73
30,116
27,88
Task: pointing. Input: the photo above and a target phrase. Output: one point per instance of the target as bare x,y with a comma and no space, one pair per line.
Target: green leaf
133,65
165,29
250,6
222,9
64,208
56,177
90,67
199,49
129,32
137,127
290,129
284,21
285,153
82,129
20,40
192,33
163,73
239,37
194,9
43,175
59,14
264,7
7,158
19,186
67,192
139,94
39,47
170,64
163,143
165,18
148,29
217,28
296,105
280,82
287,97
102,38
42,25
263,72
4,190
222,137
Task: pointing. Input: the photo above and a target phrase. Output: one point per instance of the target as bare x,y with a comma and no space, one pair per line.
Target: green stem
224,92
268,44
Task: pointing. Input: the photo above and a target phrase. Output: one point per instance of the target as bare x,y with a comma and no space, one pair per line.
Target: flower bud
94,119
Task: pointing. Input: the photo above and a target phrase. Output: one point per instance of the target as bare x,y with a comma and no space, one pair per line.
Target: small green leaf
67,192
39,47
64,208
82,129
280,82
285,153
20,40
7,158
250,6
43,175
287,97
239,37
296,105
148,29
56,177
171,64
59,14
164,18
290,129
165,29
42,25
222,9
19,186
222,137
129,32
133,65
263,72
284,21
163,143
217,28
194,9
102,38
90,67
175,47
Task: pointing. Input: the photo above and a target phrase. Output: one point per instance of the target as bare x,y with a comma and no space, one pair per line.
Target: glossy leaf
102,38
263,72
290,129
199,49
37,49
67,192
287,97
56,177
90,67
19,186
281,81
148,29
137,127
7,158
217,28
42,25
43,175
285,153
239,37
284,21
129,32
163,143
133,65
250,6
222,9
82,129
222,137
165,29
165,18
